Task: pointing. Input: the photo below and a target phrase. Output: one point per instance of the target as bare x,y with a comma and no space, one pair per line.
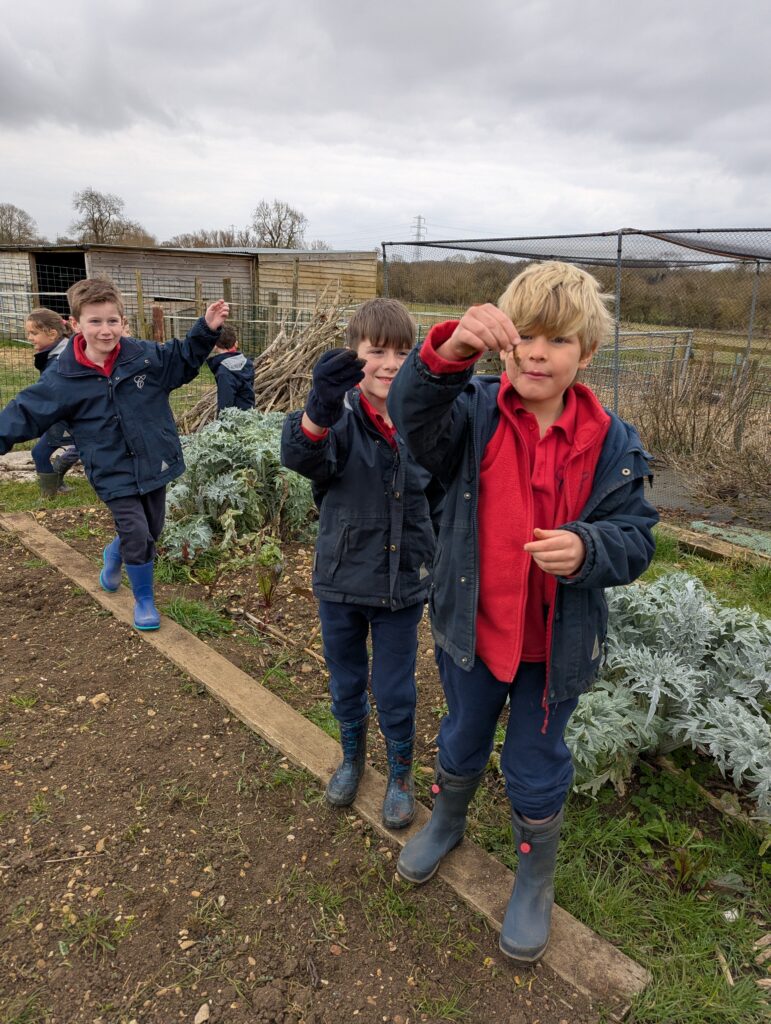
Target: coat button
463,579
397,495
626,471
464,661
467,495
393,547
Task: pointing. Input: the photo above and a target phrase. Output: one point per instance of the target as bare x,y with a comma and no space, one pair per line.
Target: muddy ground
159,862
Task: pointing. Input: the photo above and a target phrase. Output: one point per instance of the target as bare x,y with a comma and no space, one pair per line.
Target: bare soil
159,862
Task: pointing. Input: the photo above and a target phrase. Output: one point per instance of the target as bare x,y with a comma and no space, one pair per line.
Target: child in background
48,333
375,546
113,394
233,372
545,507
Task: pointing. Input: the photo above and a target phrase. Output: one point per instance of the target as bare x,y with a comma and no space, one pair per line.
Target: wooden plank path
579,956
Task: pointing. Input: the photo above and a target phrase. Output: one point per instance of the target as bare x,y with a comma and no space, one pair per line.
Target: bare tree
16,226
134,234
213,237
101,216
319,245
278,225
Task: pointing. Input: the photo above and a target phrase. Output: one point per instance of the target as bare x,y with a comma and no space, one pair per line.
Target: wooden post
227,289
142,331
158,332
255,307
200,309
272,316
295,287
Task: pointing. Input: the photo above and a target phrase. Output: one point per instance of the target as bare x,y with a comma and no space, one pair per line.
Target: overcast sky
486,117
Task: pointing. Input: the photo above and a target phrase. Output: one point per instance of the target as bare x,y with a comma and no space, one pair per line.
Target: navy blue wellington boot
146,615
399,802
342,787
422,855
109,577
526,926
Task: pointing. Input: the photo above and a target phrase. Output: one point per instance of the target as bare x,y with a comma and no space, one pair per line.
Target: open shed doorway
55,272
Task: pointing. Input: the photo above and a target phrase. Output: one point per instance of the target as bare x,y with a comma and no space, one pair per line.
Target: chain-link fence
159,306
692,314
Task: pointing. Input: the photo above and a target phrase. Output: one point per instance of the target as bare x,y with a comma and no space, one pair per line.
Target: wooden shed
170,287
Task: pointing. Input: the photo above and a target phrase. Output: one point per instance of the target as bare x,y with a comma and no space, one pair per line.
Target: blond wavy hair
558,299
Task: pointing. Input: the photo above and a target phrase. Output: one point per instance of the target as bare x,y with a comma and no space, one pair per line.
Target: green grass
94,933
321,715
733,582
24,1010
640,873
39,809
20,496
24,701
197,617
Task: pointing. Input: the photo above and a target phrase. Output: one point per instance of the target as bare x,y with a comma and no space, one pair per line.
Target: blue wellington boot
146,615
422,855
342,787
399,802
109,577
526,926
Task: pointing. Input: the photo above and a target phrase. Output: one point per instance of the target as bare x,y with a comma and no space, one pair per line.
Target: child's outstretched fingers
217,314
481,329
559,552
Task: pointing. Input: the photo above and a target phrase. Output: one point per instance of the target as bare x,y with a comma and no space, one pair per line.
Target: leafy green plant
234,487
681,669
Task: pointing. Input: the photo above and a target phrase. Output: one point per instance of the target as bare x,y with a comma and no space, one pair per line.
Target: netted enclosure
688,361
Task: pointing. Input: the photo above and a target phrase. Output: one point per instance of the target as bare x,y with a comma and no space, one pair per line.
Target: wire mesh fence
682,300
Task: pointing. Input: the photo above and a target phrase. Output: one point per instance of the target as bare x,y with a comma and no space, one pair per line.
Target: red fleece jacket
525,481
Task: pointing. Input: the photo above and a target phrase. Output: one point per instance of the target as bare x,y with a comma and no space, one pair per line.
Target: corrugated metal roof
214,250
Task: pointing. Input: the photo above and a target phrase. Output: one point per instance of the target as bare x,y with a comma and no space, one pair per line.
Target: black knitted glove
334,374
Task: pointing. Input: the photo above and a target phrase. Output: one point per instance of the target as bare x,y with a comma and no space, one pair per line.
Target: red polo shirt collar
79,348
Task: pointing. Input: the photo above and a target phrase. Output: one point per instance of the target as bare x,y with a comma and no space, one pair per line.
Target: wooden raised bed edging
579,956
712,547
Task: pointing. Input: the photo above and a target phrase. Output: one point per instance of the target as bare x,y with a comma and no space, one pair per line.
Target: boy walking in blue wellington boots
113,394
375,545
545,507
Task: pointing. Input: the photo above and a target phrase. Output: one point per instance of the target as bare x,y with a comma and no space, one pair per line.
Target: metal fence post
686,357
385,270
753,304
616,345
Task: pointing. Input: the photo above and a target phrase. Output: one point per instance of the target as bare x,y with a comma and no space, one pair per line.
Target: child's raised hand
336,372
216,315
559,552
481,329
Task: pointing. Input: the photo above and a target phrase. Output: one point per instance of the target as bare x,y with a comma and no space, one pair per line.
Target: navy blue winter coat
447,421
48,356
57,435
376,541
122,424
234,374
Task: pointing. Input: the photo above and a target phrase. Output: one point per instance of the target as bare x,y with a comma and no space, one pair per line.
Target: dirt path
156,858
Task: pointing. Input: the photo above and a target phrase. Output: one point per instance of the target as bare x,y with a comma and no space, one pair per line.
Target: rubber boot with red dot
526,925
422,855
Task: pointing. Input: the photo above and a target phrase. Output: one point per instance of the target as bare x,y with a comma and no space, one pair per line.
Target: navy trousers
139,520
537,766
57,436
345,629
